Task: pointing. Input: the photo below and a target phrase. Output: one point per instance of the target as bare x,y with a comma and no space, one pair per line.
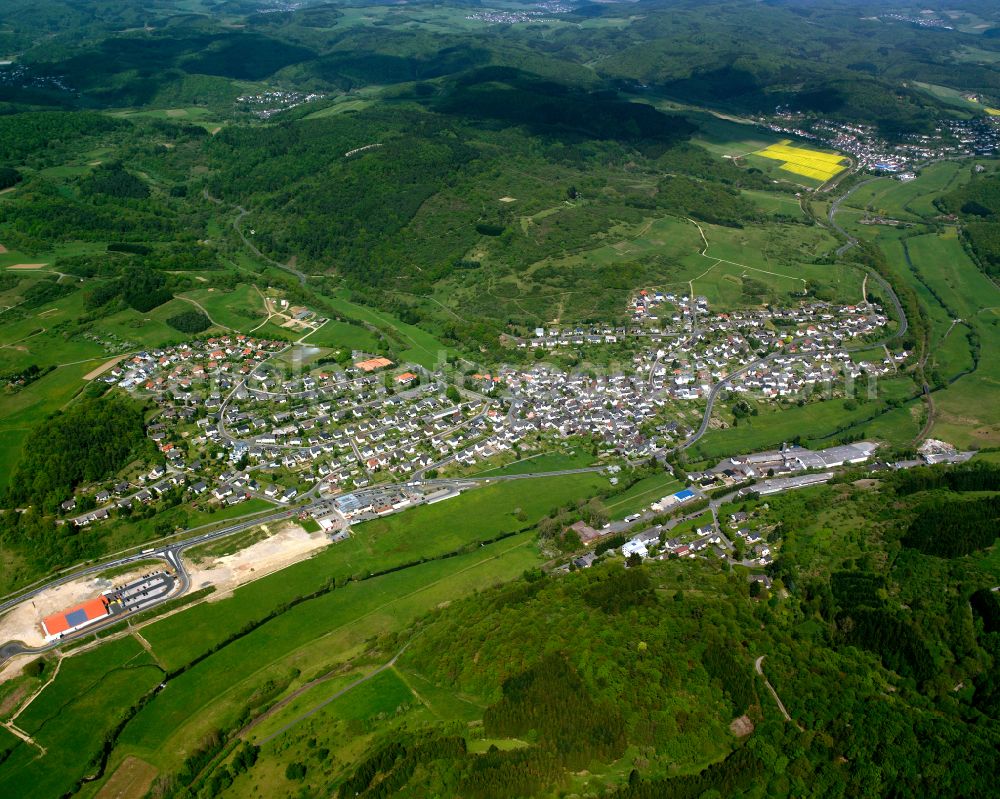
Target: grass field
308,636
241,309
729,139
423,532
805,161
912,200
777,256
90,694
968,411
950,97
774,202
647,490
814,422
544,462
416,345
343,335
897,427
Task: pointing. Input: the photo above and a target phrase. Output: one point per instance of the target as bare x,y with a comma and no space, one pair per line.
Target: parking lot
148,590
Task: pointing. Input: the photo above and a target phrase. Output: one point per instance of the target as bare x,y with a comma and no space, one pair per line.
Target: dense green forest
668,663
190,322
977,203
90,441
727,53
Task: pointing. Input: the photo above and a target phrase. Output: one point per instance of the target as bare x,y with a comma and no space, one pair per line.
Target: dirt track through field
103,368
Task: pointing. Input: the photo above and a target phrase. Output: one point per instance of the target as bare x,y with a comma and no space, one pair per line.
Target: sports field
819,165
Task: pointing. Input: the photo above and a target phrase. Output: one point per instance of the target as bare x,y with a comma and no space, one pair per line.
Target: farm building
75,618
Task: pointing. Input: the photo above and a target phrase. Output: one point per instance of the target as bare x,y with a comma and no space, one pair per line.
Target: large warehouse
75,618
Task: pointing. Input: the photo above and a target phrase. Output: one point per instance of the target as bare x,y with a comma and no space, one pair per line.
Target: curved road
881,281
169,553
781,706
242,212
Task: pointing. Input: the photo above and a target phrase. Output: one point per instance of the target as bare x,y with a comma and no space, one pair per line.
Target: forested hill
732,54
90,441
885,657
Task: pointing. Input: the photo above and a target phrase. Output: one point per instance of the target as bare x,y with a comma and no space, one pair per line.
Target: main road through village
171,552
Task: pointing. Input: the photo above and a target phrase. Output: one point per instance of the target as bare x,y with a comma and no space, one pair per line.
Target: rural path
781,706
202,308
925,345
19,733
34,696
315,709
242,212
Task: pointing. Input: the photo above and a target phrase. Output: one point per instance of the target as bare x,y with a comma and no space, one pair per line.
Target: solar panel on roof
76,617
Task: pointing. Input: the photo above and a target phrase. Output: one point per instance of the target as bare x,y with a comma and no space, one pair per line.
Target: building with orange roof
406,377
76,618
373,363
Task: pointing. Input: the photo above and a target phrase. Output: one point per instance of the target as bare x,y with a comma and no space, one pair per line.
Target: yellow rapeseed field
814,164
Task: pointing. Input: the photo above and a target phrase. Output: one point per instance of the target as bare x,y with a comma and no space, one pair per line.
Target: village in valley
342,437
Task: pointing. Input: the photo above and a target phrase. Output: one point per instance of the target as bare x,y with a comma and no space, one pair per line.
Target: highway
171,552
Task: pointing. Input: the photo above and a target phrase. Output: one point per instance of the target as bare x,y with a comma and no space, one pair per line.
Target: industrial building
76,618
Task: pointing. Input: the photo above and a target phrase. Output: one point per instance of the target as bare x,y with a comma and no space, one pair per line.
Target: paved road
169,553
714,394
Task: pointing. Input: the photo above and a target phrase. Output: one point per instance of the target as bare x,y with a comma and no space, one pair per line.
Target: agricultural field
88,697
967,412
958,300
424,532
207,118
728,138
815,422
802,161
912,200
311,637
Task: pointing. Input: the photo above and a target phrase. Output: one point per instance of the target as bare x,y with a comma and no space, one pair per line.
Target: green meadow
638,496
310,638
424,532
73,713
816,423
